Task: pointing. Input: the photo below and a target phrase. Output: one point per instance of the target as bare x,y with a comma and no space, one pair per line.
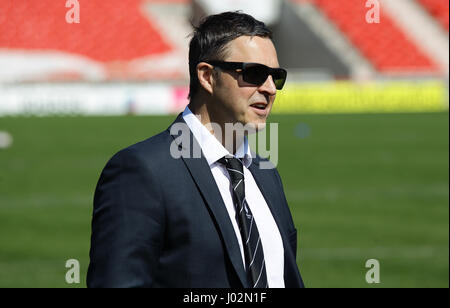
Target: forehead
252,49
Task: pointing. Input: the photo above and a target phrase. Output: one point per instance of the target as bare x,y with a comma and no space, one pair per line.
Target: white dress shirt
270,236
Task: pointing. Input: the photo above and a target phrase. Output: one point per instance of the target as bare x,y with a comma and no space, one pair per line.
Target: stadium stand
97,37
439,9
130,56
384,44
116,39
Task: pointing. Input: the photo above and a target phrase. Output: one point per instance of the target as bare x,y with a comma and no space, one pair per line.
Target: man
216,219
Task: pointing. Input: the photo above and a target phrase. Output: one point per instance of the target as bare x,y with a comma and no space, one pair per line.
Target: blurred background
363,126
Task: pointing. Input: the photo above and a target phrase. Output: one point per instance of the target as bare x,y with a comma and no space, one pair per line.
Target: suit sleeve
127,224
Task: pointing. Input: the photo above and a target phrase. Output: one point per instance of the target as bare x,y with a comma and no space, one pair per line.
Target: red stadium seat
439,9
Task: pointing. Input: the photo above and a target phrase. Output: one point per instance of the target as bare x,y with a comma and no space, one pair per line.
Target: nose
268,86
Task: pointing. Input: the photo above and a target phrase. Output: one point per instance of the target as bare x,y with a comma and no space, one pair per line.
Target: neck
231,139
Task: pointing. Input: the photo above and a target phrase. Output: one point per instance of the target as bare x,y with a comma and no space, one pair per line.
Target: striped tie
254,256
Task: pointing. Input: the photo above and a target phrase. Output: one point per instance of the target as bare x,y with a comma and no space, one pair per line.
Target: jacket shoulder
152,149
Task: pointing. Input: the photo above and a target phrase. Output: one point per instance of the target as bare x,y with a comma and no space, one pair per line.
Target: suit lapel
201,173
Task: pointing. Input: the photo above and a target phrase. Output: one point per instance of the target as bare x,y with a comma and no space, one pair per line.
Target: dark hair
210,39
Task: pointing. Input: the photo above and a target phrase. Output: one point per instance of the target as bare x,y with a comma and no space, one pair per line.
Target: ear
205,76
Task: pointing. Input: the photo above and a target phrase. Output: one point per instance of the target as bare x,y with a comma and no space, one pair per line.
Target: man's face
232,97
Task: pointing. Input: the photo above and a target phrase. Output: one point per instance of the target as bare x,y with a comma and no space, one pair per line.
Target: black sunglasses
254,73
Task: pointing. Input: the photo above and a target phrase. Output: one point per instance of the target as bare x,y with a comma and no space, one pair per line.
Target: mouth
260,106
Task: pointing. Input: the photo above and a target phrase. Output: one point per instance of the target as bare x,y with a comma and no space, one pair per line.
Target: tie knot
232,162
234,167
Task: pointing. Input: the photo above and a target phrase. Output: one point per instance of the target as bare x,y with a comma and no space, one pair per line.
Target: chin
254,127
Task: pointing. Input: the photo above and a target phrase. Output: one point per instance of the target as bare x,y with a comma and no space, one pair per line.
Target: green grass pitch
371,186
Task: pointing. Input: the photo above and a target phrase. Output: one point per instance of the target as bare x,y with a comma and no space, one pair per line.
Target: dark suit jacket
161,222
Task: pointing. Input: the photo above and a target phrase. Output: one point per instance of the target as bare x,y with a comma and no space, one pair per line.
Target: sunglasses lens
258,74
255,74
279,78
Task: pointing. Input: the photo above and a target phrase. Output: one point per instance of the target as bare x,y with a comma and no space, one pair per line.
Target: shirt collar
212,149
